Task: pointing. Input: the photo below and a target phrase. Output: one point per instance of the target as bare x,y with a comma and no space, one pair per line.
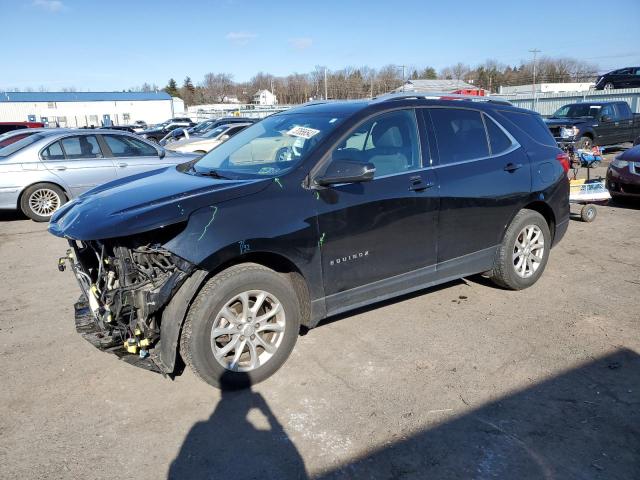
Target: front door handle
419,185
512,167
60,167
122,164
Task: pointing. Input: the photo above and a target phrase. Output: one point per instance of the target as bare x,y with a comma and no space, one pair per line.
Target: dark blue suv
315,211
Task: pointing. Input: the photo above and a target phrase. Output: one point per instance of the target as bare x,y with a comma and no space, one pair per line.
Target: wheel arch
26,187
546,211
175,312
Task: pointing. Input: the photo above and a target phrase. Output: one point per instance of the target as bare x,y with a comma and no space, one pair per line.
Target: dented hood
144,202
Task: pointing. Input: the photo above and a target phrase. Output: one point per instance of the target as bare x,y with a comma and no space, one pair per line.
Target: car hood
631,155
561,122
144,202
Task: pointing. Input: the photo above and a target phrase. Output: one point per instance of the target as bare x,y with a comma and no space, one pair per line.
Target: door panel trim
472,263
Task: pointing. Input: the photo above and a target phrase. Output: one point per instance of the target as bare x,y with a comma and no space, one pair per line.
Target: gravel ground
461,381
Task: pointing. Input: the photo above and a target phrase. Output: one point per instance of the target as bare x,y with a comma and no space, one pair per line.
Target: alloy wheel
528,251
44,202
248,330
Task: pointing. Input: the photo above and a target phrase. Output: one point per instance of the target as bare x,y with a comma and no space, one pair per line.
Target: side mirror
224,138
347,171
162,153
606,118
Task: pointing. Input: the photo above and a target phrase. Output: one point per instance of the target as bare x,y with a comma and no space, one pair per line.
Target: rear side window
532,125
83,146
53,152
124,146
497,138
460,134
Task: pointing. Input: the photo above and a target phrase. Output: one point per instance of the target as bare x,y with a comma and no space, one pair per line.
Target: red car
9,126
623,174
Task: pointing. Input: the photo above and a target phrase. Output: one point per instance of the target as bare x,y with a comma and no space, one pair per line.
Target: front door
79,161
607,128
373,233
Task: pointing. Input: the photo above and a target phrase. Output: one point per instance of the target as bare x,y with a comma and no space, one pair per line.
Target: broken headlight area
125,284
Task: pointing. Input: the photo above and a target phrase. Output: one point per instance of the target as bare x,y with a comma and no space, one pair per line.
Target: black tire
195,340
584,143
588,213
29,196
504,271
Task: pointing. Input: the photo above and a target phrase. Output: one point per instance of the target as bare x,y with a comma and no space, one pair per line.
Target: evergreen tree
172,88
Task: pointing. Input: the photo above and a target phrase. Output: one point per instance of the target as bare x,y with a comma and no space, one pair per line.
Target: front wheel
241,327
523,254
609,86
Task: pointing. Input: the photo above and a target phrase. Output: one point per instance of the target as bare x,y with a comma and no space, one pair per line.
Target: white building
79,109
264,97
547,88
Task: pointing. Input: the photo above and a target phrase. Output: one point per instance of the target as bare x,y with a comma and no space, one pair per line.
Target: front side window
271,147
460,134
125,146
83,146
389,142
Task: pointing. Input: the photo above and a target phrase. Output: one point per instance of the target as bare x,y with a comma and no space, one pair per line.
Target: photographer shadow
229,445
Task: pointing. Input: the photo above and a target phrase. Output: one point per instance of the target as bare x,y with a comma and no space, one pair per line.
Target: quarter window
53,152
533,125
123,146
389,142
460,134
498,140
83,146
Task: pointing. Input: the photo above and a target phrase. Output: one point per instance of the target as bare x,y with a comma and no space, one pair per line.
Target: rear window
460,134
497,138
532,125
20,144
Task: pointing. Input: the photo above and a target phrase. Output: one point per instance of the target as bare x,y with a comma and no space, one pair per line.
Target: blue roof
81,96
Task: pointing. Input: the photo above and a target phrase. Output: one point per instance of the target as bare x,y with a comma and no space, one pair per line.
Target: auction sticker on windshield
303,132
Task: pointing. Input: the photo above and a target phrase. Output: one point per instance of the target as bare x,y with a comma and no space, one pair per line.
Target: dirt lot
461,381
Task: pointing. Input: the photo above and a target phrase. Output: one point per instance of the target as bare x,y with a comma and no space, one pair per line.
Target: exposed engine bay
125,285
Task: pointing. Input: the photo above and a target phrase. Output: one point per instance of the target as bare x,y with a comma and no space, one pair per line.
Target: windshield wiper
212,173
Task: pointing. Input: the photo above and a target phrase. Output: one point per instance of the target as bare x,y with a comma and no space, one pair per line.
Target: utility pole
325,84
535,52
403,81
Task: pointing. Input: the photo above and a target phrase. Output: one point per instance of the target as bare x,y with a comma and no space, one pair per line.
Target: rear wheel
241,327
524,252
40,201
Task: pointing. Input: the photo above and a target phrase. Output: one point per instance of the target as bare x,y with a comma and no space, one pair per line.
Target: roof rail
438,96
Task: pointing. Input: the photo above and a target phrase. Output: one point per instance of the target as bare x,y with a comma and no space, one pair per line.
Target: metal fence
200,114
547,103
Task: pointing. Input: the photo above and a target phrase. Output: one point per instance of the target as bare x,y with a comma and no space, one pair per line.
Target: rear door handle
512,167
122,164
417,184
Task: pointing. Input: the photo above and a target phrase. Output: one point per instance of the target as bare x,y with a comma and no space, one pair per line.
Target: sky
115,45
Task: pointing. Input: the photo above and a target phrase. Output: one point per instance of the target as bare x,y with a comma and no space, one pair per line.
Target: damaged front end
125,284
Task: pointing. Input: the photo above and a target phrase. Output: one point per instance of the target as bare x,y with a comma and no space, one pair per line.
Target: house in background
264,97
440,86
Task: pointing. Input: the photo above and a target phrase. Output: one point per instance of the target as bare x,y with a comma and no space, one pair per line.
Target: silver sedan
42,171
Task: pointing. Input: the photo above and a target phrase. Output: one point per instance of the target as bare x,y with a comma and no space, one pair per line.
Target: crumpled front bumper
88,328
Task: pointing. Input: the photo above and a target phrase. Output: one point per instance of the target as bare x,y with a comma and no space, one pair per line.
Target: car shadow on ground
580,424
11,215
241,439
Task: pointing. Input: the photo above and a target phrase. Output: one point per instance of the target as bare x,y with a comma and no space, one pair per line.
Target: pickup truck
586,124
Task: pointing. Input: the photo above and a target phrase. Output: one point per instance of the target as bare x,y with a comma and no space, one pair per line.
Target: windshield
271,147
20,144
215,132
578,111
202,127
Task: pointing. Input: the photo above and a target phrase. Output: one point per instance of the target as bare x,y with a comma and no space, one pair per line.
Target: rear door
132,155
79,161
484,178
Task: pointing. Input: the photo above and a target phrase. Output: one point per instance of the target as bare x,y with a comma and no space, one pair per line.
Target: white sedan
208,141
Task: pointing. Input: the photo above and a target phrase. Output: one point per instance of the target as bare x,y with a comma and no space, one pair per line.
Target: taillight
563,158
